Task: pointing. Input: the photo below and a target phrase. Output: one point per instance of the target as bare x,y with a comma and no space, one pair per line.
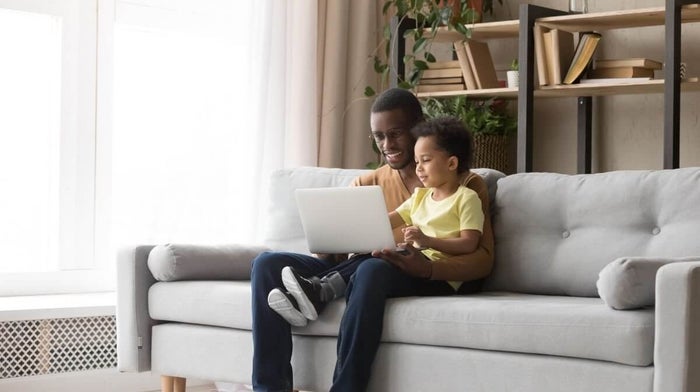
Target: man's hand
413,263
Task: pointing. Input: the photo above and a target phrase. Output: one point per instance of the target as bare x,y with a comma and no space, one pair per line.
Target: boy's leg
272,338
284,304
312,294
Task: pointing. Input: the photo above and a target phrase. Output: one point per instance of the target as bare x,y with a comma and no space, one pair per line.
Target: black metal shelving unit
672,17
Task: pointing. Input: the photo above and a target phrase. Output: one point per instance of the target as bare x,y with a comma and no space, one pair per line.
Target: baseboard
90,381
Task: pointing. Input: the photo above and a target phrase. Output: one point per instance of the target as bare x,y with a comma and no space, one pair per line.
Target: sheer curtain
349,34
209,98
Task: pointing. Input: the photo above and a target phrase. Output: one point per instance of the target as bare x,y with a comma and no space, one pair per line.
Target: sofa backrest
555,232
283,230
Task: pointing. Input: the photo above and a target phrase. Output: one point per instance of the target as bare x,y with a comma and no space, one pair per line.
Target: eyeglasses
392,134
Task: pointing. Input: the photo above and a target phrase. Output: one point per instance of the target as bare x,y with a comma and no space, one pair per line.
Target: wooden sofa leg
180,384
173,384
167,383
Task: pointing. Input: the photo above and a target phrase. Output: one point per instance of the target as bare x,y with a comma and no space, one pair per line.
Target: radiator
37,347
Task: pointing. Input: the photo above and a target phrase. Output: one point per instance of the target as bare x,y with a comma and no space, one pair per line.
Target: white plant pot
513,78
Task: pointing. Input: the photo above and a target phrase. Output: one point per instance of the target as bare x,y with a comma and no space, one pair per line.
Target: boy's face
391,132
434,166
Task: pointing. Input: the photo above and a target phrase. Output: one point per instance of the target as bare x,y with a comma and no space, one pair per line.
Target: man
386,275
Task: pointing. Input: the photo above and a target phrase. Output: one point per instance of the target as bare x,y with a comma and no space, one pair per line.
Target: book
540,57
621,72
433,88
559,50
442,73
441,80
481,64
444,64
635,62
614,80
463,60
587,44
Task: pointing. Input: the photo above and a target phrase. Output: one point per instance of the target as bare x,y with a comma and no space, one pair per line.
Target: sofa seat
576,327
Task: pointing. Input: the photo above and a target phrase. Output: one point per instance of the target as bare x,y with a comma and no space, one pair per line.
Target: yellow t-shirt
467,267
443,219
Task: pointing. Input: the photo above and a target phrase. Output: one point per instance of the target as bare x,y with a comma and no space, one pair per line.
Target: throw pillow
171,262
630,282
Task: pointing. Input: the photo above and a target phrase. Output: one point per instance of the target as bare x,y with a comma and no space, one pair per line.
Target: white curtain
210,98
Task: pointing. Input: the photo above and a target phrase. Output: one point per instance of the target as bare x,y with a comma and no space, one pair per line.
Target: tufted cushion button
565,234
655,231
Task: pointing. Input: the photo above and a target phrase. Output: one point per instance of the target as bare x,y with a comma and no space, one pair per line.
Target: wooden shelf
599,21
504,92
488,30
572,90
586,90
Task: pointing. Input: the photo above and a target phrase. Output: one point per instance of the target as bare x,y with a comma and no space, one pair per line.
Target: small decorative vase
513,78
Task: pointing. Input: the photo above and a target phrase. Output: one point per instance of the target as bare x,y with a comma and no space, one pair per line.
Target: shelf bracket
526,58
584,135
672,85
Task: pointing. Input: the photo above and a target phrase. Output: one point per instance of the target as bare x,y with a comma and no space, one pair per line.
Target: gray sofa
539,325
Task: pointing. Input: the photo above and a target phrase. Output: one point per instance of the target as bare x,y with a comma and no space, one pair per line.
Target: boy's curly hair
450,135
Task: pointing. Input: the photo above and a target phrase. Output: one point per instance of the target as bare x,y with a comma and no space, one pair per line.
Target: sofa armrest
677,336
133,322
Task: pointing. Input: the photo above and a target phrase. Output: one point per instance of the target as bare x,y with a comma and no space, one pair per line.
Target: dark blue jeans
373,281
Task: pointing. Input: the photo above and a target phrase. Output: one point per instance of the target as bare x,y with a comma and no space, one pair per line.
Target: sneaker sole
290,283
281,305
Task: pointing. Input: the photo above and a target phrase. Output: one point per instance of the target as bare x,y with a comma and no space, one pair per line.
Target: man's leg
374,281
272,338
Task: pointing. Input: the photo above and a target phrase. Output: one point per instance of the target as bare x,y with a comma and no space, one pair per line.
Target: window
182,154
47,136
135,132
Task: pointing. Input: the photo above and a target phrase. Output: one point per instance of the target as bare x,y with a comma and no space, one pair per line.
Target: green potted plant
429,15
489,122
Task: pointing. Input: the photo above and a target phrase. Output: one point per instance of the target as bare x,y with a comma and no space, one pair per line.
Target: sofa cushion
171,262
555,232
630,282
563,326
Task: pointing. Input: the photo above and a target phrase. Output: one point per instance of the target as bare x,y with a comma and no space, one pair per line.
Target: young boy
445,218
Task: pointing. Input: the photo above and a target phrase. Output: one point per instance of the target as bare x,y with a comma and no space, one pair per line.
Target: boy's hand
415,236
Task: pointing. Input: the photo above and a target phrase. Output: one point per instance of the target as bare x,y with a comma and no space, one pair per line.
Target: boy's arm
467,242
478,264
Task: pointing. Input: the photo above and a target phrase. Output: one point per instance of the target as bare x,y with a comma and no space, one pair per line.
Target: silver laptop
345,219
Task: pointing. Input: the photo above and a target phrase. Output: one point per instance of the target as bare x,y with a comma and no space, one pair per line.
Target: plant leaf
386,6
386,33
419,44
429,57
419,64
369,91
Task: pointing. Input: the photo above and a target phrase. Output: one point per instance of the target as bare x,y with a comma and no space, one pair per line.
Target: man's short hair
397,98
450,135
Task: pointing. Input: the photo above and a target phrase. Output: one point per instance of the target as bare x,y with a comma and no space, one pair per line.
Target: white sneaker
286,306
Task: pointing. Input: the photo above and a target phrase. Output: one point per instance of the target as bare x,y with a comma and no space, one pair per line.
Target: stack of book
623,70
558,60
441,76
475,60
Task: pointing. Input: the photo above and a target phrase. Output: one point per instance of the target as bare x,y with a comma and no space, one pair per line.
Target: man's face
391,132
